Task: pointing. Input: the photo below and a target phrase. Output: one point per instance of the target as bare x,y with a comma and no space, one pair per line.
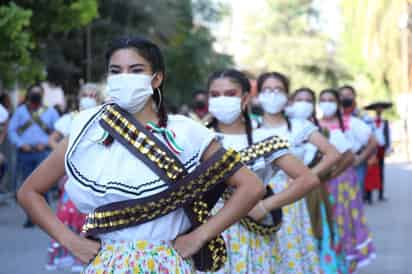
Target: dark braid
151,53
248,127
338,113
240,79
213,124
161,109
313,95
286,85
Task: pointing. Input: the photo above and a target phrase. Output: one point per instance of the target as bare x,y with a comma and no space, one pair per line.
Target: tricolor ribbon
169,134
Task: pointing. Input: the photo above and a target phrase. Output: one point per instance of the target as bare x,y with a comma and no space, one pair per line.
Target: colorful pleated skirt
346,199
138,257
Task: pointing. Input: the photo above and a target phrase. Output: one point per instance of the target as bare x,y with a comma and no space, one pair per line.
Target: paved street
23,251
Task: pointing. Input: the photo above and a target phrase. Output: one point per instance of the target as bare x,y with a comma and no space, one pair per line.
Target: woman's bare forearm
40,213
345,161
369,149
302,182
249,190
31,195
297,189
329,152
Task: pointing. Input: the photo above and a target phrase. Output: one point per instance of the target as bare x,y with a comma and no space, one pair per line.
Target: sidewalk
23,251
391,223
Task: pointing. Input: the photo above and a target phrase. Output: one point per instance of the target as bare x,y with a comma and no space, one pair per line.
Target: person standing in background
375,175
4,117
58,256
349,134
382,130
200,112
89,96
296,243
29,130
347,96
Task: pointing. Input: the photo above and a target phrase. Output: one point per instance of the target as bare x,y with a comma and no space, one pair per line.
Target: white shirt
63,124
99,175
4,114
263,167
357,133
339,140
297,136
53,95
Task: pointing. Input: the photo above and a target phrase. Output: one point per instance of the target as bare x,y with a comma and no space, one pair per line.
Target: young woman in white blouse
251,250
319,203
347,133
296,243
112,160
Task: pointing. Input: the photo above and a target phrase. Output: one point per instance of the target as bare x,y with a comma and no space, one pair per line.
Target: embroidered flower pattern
138,257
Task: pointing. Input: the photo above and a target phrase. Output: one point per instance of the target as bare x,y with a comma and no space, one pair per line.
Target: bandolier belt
249,155
196,192
35,119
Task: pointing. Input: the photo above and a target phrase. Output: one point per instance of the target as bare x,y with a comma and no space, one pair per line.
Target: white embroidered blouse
100,174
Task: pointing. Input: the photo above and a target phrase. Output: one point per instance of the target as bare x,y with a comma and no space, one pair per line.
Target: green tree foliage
187,46
16,42
282,37
190,56
371,46
26,31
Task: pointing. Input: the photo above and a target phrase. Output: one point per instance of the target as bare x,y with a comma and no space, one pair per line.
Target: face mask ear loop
160,99
160,94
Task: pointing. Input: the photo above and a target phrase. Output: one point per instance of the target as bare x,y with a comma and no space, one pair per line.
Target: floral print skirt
247,252
138,257
347,203
296,243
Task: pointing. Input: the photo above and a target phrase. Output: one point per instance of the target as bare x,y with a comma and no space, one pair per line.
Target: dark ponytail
152,54
338,113
240,79
248,126
286,85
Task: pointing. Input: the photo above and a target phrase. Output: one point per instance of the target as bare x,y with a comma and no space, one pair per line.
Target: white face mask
272,102
129,90
225,109
87,102
328,108
302,110
289,110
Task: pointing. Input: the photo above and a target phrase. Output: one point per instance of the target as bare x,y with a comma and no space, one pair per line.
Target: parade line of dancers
145,191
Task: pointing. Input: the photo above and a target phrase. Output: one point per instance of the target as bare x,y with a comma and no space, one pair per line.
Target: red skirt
373,177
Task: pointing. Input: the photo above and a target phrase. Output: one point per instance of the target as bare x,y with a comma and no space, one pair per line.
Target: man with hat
383,136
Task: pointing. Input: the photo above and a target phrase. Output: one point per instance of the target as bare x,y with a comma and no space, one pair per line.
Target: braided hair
338,114
286,85
313,95
240,79
152,54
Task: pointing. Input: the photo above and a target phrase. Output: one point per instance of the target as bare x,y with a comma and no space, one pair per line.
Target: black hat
377,105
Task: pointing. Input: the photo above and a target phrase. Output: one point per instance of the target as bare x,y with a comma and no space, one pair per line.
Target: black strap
190,193
263,149
35,118
205,178
24,127
125,129
386,134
